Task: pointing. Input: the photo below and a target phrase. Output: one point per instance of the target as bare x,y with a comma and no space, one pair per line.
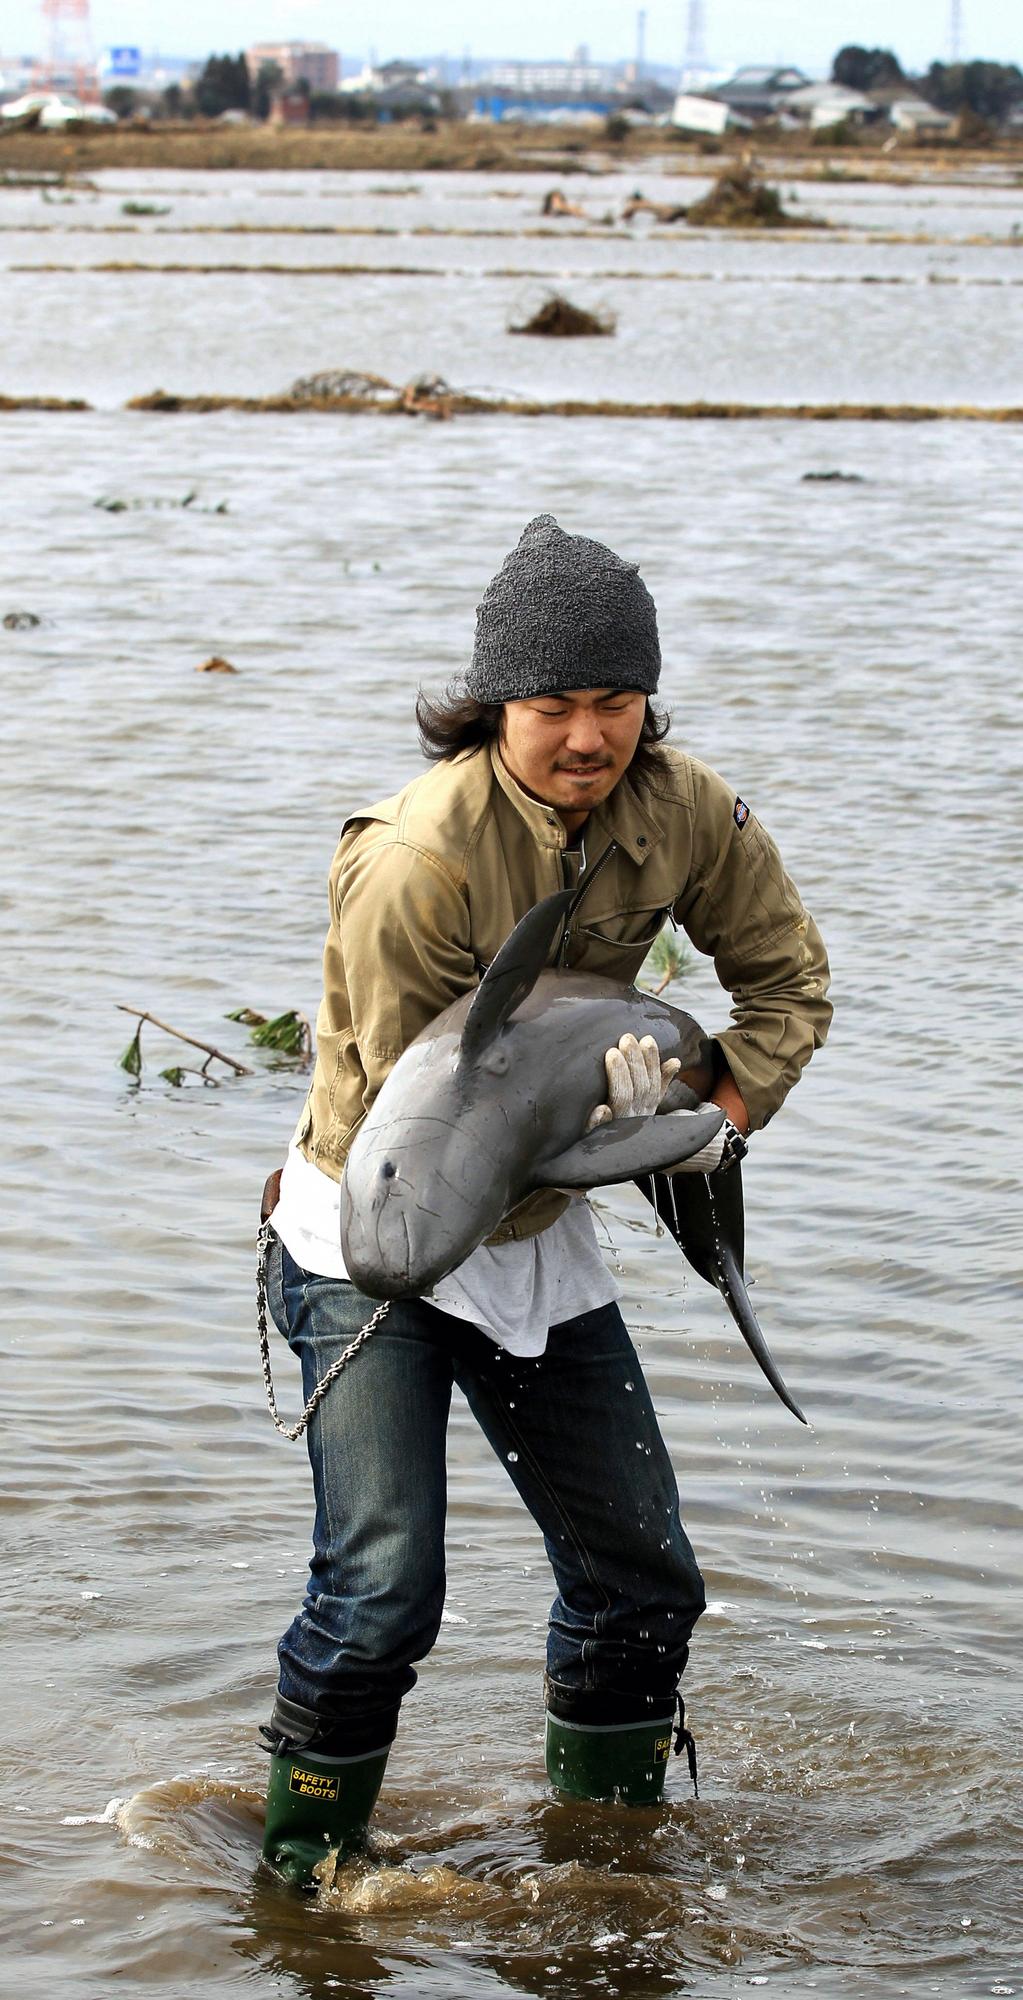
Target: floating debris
215,665
662,211
341,385
20,621
14,177
430,396
555,203
833,479
111,504
144,208
427,395
739,200
131,1061
289,1033
558,319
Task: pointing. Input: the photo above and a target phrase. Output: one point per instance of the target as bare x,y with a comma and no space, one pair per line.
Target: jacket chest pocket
615,944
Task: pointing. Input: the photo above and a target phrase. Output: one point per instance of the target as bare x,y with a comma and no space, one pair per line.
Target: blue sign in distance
125,62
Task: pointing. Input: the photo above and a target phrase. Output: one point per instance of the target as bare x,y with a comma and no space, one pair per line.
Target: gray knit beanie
563,612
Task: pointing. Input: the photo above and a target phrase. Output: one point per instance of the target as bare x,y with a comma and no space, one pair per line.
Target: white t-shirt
514,1291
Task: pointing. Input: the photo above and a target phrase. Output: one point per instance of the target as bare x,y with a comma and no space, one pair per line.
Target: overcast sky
736,30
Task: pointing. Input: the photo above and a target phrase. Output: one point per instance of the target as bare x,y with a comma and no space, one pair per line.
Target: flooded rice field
416,277
847,652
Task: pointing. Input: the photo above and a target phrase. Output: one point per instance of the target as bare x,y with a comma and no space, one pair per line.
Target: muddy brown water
848,654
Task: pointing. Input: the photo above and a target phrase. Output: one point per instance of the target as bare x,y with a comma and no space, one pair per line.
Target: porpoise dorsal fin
514,972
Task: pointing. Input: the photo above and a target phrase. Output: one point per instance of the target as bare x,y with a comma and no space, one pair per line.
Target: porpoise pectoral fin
630,1146
514,972
706,1219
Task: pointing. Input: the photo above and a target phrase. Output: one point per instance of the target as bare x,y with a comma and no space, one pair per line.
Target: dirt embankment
255,147
463,148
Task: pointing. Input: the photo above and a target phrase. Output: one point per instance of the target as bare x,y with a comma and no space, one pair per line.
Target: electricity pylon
70,59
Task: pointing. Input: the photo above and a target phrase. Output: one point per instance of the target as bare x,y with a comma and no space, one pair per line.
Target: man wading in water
548,770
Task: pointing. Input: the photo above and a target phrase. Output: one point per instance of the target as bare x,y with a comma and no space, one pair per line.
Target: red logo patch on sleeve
740,812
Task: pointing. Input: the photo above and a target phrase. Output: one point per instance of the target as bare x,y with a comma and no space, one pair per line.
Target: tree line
989,89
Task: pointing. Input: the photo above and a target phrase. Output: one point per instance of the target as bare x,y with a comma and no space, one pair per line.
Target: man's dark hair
454,724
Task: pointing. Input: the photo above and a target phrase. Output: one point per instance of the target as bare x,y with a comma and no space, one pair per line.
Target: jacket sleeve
401,923
741,908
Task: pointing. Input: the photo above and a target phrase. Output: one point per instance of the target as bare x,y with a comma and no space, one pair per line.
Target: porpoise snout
408,1216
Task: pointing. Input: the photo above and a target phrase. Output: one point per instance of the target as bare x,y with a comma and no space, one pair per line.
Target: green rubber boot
315,1803
624,1761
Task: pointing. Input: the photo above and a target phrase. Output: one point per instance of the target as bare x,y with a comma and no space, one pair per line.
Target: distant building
757,91
289,107
395,75
397,89
578,91
822,105
299,62
563,80
909,112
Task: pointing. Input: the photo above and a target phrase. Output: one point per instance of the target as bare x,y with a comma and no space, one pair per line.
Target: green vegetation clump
289,1033
666,961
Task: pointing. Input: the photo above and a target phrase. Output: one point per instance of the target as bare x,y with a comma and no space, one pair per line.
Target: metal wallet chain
293,1431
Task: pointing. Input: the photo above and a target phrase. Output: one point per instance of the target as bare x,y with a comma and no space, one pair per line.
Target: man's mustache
584,764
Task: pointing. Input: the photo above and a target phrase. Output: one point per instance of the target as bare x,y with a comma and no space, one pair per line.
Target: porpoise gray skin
487,1105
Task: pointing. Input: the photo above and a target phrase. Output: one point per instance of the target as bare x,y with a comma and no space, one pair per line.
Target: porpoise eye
388,1170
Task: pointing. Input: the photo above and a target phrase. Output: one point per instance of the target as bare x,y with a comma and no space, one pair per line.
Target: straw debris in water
558,319
43,403
739,200
411,401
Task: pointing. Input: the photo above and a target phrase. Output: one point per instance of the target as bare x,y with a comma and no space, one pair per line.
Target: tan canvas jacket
426,886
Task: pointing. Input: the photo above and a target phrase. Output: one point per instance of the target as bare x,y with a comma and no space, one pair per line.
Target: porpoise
487,1105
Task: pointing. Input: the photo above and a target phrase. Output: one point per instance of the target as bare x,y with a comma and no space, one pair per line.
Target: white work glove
726,1147
636,1081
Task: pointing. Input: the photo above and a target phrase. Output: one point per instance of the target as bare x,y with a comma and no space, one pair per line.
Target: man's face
570,749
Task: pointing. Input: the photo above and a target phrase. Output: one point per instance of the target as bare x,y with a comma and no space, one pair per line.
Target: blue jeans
577,1433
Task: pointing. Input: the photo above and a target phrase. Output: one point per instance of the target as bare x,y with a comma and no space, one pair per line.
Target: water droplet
513,1458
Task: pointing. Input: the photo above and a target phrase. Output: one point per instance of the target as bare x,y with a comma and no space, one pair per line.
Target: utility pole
955,31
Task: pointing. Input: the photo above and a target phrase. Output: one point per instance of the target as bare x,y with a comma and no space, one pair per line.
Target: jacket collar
622,818
545,825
